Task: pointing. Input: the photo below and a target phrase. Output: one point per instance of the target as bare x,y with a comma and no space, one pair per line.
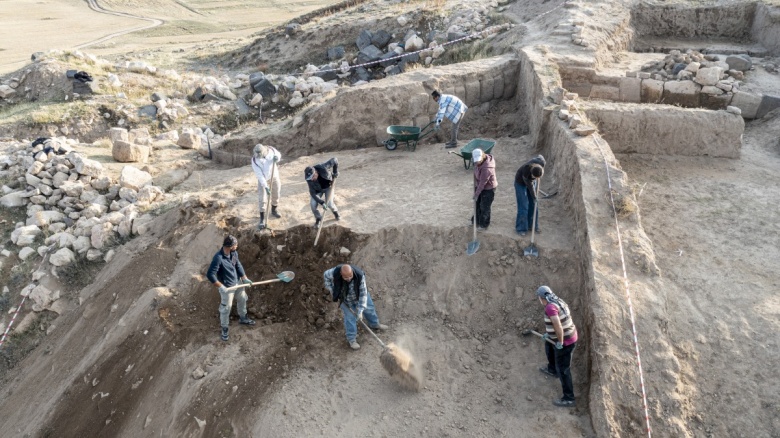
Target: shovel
327,201
473,246
532,332
531,249
286,276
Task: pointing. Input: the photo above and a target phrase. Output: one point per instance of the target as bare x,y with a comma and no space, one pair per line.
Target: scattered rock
125,152
189,141
739,62
134,178
62,257
198,373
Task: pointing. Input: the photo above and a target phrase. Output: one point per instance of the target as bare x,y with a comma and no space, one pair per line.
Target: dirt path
714,226
93,4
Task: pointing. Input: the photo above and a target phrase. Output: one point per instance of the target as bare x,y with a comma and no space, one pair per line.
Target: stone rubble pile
71,201
569,113
705,70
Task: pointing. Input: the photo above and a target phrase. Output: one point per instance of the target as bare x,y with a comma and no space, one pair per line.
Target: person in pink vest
560,329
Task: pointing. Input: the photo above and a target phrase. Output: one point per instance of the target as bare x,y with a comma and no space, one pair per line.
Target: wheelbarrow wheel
391,144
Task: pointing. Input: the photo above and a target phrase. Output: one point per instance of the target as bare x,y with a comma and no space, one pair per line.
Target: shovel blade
531,250
472,247
286,276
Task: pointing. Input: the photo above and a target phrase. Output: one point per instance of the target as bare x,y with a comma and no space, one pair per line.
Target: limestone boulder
85,166
62,257
134,178
26,252
739,62
682,93
148,194
125,152
24,236
708,76
101,234
44,218
189,141
118,134
72,188
81,244
13,199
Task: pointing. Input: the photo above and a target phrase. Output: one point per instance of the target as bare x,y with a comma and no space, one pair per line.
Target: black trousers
560,362
484,201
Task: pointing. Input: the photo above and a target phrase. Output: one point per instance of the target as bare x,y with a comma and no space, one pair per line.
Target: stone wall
724,21
632,128
766,27
359,116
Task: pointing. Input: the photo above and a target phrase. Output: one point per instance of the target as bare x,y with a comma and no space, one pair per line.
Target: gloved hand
360,317
335,175
276,159
559,345
437,126
222,289
546,337
268,191
246,281
325,206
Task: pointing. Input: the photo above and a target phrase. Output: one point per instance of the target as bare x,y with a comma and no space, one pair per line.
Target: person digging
321,178
453,109
525,194
269,182
561,330
347,286
226,271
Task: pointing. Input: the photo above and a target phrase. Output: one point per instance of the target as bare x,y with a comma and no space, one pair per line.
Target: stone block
118,134
189,141
739,62
472,92
747,102
631,90
768,103
681,93
125,152
134,178
708,75
498,86
715,101
486,89
605,92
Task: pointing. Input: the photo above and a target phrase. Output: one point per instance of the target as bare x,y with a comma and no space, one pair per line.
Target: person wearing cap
452,108
226,271
485,184
347,286
264,159
525,193
320,179
560,329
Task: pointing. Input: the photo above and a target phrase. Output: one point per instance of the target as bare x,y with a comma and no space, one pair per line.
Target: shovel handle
366,326
254,284
542,336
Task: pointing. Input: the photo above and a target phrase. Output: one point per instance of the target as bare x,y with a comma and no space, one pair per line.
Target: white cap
260,150
476,155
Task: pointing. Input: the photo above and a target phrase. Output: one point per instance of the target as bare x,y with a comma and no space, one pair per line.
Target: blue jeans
328,201
525,209
559,361
350,321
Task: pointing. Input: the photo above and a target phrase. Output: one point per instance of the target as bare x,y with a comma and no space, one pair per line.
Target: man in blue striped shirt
452,108
347,286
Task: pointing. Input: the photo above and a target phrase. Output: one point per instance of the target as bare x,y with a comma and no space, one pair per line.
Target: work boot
380,327
261,224
246,320
317,223
224,333
336,214
354,345
275,213
561,403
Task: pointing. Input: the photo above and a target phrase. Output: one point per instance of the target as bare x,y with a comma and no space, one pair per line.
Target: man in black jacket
526,196
321,178
226,271
347,286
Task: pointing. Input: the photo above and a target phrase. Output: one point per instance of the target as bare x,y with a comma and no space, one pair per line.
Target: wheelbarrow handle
455,153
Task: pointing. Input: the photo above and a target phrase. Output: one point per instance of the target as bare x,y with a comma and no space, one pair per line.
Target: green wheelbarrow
408,134
477,143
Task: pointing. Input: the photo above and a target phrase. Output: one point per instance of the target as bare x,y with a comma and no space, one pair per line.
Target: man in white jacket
264,159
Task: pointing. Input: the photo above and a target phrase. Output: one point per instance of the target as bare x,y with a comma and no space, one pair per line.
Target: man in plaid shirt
452,108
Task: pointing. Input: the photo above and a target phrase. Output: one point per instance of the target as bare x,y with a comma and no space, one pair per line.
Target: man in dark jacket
485,184
225,271
526,195
347,286
321,178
